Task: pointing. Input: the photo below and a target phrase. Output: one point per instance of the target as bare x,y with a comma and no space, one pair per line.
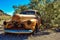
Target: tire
36,30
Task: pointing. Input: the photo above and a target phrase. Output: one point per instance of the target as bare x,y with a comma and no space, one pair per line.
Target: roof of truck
32,10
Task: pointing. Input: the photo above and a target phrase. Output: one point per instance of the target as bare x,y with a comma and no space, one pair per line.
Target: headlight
29,22
4,22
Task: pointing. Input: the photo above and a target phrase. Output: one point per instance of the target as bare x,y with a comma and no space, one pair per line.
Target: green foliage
50,12
18,9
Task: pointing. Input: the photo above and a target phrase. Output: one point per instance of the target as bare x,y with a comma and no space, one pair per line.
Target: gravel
52,36
38,36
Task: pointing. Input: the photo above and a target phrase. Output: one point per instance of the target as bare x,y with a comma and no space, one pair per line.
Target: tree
49,11
52,12
18,9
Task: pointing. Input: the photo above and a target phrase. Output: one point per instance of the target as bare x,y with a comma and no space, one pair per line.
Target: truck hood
20,17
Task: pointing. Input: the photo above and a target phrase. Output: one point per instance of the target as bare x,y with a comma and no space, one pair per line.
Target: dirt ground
37,36
52,36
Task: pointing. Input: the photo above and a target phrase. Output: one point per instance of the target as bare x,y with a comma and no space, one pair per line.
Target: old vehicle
27,21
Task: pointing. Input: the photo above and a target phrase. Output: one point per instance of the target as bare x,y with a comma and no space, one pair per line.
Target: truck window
28,12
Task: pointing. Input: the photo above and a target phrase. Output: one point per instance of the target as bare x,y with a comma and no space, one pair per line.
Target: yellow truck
27,21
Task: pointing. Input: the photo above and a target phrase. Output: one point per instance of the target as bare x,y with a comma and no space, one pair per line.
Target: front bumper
18,31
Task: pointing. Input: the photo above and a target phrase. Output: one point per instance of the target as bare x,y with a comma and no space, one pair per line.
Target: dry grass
2,18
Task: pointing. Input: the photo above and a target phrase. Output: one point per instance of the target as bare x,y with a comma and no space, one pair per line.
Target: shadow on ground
20,37
41,34
13,37
57,30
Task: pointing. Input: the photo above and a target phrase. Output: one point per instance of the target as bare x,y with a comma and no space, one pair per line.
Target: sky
6,5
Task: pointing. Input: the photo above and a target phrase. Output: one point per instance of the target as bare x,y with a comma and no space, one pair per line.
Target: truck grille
21,25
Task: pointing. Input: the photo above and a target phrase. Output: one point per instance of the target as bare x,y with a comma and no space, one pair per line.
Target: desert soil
38,36
52,36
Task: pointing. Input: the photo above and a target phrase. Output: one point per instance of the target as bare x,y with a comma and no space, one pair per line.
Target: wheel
36,29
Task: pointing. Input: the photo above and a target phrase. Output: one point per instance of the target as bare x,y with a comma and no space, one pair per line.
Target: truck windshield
28,12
